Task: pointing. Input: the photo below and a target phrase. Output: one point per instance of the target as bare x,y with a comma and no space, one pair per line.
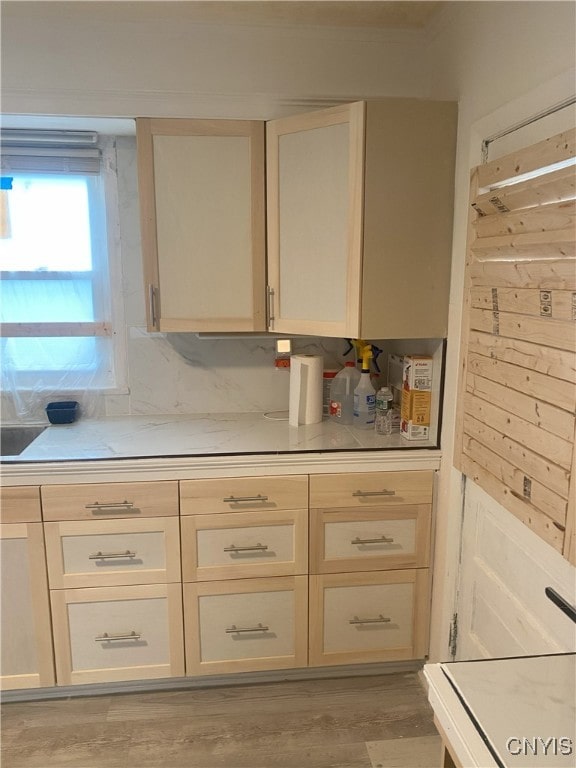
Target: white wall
101,59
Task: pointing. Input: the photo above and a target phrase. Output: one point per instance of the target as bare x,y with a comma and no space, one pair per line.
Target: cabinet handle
111,555
253,548
381,540
383,492
113,506
105,637
271,317
258,628
380,620
152,300
236,499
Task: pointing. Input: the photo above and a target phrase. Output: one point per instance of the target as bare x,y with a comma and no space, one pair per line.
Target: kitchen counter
507,713
168,444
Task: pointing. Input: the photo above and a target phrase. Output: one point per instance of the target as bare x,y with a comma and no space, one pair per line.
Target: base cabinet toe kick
117,582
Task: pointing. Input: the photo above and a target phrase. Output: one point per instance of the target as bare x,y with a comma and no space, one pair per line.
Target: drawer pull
236,499
105,638
381,540
113,506
380,620
383,492
258,628
111,555
253,548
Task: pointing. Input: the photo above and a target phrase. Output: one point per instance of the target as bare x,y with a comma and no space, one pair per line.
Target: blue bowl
62,413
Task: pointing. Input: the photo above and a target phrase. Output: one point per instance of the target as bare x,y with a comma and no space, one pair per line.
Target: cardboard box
416,397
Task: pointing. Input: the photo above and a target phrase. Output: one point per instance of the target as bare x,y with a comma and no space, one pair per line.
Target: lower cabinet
117,633
26,635
368,617
213,576
244,625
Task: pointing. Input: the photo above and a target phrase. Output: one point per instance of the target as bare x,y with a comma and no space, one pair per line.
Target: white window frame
113,326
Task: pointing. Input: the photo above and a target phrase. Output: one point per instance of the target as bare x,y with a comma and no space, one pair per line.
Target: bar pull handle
378,620
236,499
562,603
237,630
381,540
383,492
111,555
112,506
105,637
152,300
253,548
271,317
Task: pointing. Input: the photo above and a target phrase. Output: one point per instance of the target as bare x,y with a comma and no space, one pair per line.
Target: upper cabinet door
314,211
203,223
360,210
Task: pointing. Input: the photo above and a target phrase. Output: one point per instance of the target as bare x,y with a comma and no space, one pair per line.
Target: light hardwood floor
382,721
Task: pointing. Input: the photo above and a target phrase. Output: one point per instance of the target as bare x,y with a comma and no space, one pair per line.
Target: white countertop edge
463,737
191,467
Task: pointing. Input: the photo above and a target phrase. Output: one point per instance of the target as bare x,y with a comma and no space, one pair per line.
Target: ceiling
374,14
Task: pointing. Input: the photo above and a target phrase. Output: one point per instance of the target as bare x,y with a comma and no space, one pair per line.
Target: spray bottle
364,394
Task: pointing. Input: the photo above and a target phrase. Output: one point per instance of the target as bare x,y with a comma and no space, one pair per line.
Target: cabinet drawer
109,500
244,625
365,539
371,489
244,545
117,633
368,617
243,494
101,553
20,504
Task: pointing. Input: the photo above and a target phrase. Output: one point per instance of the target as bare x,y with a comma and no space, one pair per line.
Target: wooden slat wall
517,401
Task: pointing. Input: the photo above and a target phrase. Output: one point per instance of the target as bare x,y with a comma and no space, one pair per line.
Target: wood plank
555,149
543,526
553,477
547,331
555,216
559,305
569,550
544,275
52,330
531,245
554,391
552,448
552,187
542,414
554,362
520,483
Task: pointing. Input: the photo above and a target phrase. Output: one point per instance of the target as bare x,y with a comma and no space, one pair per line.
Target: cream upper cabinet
202,213
359,213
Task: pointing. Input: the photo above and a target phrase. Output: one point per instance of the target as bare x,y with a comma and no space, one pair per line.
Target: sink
13,440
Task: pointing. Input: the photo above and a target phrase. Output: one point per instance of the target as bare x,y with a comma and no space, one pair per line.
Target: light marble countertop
202,435
135,448
523,710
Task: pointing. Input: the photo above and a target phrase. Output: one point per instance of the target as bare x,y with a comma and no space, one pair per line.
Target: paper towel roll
305,404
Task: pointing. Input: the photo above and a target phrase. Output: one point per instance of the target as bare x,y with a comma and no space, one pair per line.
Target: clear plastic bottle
383,419
364,401
342,393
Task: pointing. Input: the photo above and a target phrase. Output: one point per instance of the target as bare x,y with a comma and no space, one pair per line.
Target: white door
501,607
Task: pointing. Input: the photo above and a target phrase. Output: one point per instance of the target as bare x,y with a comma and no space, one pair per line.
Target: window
58,264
